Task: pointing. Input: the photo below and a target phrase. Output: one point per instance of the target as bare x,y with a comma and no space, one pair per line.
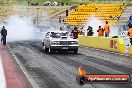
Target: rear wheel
75,51
43,43
50,51
45,48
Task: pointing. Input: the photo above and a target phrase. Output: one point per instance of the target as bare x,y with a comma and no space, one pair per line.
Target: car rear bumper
65,47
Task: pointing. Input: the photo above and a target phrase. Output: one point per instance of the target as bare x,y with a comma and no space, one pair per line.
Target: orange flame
81,71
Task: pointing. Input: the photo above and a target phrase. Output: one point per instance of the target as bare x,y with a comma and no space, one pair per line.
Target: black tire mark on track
41,74
106,63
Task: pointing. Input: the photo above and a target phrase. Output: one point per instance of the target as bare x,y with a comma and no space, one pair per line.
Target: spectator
111,17
82,31
79,30
129,25
63,21
100,31
130,18
61,29
124,28
96,9
67,11
68,28
60,18
75,33
107,29
90,31
130,34
3,35
123,3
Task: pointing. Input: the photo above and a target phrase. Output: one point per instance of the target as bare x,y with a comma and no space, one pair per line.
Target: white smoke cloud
114,31
94,22
19,28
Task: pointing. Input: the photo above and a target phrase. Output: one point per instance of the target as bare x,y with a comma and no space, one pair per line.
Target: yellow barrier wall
110,44
130,50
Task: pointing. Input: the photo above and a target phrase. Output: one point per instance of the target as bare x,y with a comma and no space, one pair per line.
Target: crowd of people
101,31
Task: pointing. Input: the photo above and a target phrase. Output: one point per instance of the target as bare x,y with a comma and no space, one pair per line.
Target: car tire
45,48
43,43
50,51
75,51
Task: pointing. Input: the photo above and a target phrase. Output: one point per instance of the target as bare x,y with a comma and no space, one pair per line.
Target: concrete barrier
130,50
110,44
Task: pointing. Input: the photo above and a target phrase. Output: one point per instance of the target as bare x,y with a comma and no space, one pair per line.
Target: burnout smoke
19,28
94,22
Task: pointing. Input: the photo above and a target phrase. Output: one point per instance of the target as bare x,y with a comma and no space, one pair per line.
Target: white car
58,41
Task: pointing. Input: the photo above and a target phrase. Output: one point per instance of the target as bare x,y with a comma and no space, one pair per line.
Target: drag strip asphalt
59,70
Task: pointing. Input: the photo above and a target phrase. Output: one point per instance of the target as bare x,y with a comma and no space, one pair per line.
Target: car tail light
64,42
74,43
56,43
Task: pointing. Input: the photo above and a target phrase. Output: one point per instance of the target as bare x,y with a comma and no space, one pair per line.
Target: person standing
67,12
107,29
75,33
90,31
3,35
61,29
129,25
60,18
68,28
79,31
130,34
100,31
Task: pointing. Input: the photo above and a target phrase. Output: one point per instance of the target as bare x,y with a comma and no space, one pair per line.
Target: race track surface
59,70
